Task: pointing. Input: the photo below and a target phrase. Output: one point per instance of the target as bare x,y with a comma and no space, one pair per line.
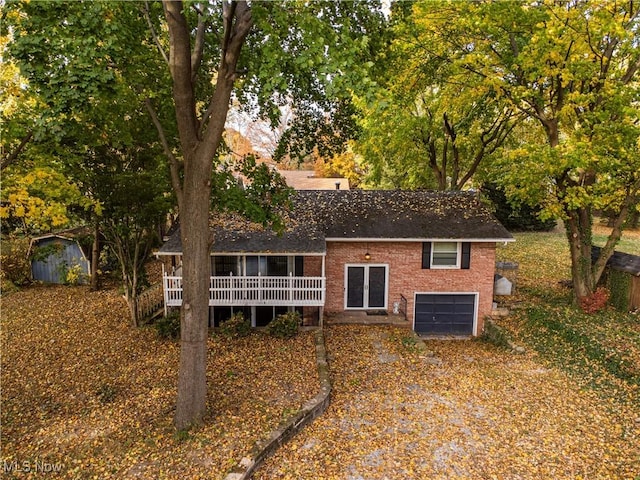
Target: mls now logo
31,466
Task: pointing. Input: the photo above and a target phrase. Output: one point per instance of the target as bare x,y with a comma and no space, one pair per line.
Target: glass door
366,286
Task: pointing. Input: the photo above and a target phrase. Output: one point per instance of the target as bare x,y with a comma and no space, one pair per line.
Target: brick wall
406,276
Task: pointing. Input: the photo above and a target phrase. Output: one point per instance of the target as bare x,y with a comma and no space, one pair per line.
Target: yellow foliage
39,199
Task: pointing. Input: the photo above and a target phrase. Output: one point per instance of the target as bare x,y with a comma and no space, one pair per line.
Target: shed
622,278
58,258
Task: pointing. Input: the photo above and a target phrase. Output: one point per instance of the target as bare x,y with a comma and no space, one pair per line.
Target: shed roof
620,261
376,215
72,235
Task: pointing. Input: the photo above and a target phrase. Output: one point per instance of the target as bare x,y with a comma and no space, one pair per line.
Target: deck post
165,293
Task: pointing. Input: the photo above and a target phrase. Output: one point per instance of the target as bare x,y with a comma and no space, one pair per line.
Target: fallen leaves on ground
83,390
469,411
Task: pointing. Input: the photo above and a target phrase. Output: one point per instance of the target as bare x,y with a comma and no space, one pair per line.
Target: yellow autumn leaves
40,198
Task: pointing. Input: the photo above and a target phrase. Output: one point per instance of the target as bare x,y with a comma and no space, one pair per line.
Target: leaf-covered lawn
470,411
600,351
83,390
569,408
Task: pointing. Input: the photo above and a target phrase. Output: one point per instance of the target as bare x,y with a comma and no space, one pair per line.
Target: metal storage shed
59,253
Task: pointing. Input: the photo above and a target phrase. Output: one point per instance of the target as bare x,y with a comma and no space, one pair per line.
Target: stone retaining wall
310,410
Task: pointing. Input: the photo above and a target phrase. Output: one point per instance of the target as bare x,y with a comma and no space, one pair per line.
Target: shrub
236,326
16,267
285,325
596,301
168,327
73,275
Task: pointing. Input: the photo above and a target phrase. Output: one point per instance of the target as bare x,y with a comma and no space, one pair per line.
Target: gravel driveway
469,410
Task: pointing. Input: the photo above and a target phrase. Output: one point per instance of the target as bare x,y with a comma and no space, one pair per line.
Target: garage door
444,314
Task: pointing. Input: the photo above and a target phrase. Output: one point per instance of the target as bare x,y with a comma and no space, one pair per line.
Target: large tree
422,128
264,54
90,87
268,52
571,68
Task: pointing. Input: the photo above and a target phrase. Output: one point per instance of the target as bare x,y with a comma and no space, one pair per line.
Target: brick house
430,255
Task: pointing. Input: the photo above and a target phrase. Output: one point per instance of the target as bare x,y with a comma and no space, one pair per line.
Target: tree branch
631,71
156,39
12,157
198,47
234,36
175,166
180,68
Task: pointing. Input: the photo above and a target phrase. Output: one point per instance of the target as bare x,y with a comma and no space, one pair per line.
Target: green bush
285,325
236,326
169,327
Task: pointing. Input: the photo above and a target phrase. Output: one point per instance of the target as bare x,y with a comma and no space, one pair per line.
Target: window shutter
466,256
426,254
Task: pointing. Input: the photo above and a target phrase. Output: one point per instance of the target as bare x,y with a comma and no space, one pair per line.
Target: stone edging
309,411
513,346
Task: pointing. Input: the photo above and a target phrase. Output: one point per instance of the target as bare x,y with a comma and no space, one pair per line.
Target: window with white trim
445,255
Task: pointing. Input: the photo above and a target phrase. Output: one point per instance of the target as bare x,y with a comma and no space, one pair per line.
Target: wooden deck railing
150,301
250,291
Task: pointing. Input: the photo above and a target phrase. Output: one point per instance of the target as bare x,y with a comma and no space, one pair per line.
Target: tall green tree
204,54
571,68
90,88
266,51
423,128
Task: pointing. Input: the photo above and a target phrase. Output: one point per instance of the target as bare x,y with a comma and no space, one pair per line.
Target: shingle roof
359,214
398,214
623,262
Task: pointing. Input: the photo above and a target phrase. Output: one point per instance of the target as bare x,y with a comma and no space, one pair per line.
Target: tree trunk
95,257
131,293
196,270
199,141
578,229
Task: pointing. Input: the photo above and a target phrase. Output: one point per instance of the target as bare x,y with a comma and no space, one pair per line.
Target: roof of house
307,180
623,262
375,215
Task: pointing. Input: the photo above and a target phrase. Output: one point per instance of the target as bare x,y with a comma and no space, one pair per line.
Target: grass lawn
85,393
600,350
